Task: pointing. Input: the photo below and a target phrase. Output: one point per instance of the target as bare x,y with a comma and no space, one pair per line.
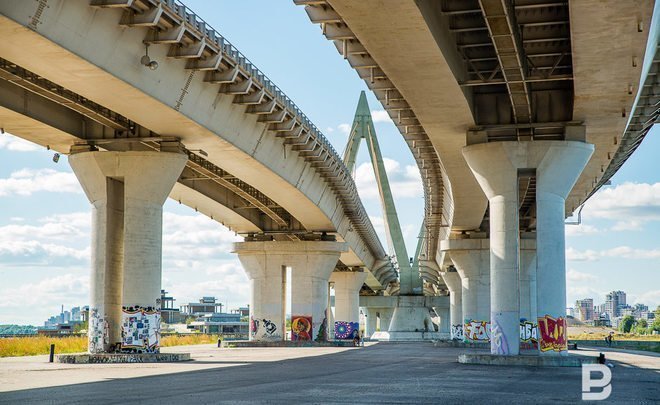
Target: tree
656,321
642,327
79,327
627,324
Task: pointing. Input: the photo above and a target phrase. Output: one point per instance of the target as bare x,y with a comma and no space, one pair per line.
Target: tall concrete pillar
266,271
347,297
127,191
527,280
496,166
445,320
453,281
311,265
471,260
371,322
557,173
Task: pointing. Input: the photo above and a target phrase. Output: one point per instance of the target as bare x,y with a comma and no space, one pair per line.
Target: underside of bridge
523,114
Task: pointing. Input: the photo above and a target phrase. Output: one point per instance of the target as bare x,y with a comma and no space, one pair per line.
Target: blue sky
45,218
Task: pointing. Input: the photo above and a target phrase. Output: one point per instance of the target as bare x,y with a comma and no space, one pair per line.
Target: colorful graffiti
457,332
269,328
476,330
346,330
528,334
301,328
322,334
140,330
98,332
552,334
254,326
499,341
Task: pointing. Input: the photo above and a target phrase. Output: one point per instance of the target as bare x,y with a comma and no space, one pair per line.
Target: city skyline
45,223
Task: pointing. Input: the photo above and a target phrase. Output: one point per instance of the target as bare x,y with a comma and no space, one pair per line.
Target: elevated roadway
73,79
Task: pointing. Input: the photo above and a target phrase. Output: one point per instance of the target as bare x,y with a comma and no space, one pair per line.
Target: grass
32,346
617,336
35,345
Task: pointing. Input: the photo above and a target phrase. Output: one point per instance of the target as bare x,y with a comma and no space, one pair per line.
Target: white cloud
582,229
650,298
344,128
576,276
631,204
16,144
26,182
380,116
580,256
404,182
54,240
632,225
193,239
576,292
67,289
624,252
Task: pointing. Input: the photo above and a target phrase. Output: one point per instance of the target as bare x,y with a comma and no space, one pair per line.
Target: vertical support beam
496,165
127,190
528,325
498,177
453,282
311,265
471,257
347,302
556,175
267,275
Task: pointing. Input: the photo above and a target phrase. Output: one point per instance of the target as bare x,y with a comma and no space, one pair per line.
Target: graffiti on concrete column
478,331
457,332
322,334
301,328
263,329
269,327
499,341
346,330
254,326
528,334
98,332
552,334
140,329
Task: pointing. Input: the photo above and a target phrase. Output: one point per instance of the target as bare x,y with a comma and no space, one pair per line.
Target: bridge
515,118
510,110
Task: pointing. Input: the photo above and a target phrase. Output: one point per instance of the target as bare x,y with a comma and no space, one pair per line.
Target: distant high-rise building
584,309
75,314
614,302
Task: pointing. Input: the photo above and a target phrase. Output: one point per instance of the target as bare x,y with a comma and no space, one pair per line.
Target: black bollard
52,353
601,358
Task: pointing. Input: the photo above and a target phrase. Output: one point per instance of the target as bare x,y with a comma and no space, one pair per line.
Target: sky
45,219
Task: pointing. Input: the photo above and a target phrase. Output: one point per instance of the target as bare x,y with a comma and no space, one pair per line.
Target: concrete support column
471,260
496,166
347,298
453,281
266,271
527,279
445,320
127,191
311,265
371,323
557,173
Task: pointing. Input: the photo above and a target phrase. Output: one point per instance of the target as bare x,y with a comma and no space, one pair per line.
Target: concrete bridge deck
416,373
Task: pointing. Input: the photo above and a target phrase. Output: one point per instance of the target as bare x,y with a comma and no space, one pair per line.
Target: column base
411,315
88,358
408,336
525,360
